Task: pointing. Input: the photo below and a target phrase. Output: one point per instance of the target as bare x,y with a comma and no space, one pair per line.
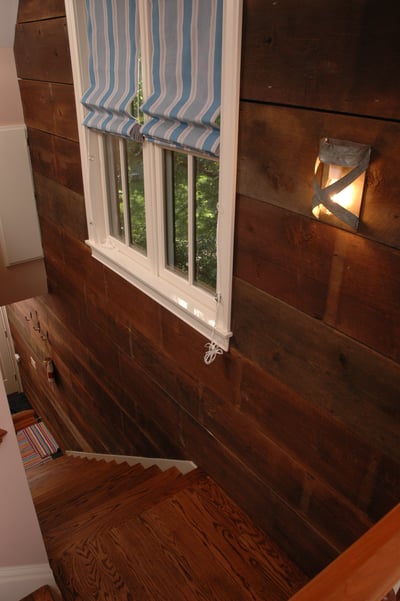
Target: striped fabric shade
184,107
113,36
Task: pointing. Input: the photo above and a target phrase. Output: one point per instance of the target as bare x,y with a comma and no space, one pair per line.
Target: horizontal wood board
278,150
346,281
42,52
31,10
336,56
39,98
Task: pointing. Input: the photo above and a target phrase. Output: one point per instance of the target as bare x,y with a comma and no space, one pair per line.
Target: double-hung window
157,89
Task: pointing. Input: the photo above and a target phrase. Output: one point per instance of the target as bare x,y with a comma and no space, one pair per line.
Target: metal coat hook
36,327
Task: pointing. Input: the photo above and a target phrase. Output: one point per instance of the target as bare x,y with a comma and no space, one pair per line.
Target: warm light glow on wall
339,180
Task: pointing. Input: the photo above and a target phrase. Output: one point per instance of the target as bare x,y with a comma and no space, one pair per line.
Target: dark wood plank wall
300,420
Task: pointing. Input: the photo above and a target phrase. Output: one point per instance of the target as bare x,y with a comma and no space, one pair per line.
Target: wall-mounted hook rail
36,325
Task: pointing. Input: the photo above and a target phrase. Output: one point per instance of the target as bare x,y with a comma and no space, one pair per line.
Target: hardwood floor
41,594
115,532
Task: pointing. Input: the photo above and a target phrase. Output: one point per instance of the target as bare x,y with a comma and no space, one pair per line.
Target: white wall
22,281
27,279
23,559
8,12
10,101
20,536
24,566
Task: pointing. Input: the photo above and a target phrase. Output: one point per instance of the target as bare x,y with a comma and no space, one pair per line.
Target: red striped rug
41,440
36,444
29,456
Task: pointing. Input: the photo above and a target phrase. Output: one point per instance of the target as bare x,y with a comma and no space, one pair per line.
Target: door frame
11,377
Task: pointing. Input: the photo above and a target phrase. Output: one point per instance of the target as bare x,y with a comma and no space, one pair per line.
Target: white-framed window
161,205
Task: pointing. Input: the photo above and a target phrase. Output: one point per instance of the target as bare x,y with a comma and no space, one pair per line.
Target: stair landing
153,535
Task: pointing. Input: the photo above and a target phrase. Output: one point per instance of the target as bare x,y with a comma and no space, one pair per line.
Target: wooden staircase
120,532
42,594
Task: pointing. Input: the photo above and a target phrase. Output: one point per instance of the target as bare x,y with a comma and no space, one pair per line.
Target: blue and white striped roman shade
184,106
113,37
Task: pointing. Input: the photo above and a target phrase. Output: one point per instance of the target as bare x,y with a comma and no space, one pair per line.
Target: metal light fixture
339,180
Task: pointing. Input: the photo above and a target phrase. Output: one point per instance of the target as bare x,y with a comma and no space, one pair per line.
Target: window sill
198,311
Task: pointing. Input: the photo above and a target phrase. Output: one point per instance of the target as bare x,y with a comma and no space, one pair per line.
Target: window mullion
191,218
125,190
169,207
151,155
96,156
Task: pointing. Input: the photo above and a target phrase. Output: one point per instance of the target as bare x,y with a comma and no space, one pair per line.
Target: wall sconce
339,180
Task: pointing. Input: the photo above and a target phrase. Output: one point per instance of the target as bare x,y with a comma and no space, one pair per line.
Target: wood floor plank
162,567
179,537
208,502
41,594
89,573
180,558
251,561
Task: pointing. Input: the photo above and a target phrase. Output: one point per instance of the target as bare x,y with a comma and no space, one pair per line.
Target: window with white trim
157,89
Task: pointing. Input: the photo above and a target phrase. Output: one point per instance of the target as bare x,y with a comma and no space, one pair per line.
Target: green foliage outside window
206,198
207,178
137,211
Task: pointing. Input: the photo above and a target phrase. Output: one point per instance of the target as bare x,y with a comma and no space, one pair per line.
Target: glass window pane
115,194
137,213
176,183
206,185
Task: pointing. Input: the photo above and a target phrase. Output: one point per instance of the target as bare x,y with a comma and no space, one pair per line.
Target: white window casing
208,313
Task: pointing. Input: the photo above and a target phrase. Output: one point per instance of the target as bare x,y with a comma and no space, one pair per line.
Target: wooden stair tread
41,594
60,480
112,512
95,482
66,480
57,492
44,469
93,497
51,473
24,419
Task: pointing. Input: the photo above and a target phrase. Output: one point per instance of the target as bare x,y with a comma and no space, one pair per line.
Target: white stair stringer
182,465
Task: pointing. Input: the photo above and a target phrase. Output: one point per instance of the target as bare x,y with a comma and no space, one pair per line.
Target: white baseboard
183,466
17,582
